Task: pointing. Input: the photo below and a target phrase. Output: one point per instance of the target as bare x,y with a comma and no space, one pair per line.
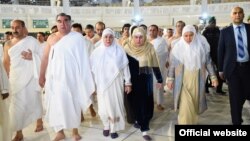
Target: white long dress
110,68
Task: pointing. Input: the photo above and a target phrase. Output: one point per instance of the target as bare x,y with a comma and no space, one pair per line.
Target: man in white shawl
77,27
177,34
69,83
109,65
40,36
189,61
160,46
21,62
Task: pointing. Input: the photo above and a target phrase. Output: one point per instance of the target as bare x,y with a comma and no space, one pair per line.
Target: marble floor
162,124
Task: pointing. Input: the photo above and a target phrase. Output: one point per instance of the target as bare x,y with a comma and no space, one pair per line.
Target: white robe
69,83
111,105
4,106
1,120
4,82
160,46
1,52
25,106
41,49
110,68
93,41
89,45
97,44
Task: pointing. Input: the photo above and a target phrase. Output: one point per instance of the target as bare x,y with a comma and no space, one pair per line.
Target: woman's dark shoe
147,138
105,133
114,135
136,125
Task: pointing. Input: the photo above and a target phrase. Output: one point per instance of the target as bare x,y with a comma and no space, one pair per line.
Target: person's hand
158,85
170,85
27,55
221,74
215,82
42,81
5,95
128,89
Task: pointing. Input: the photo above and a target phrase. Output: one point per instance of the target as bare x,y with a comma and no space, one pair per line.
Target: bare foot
39,128
160,107
77,137
59,136
18,138
75,134
39,125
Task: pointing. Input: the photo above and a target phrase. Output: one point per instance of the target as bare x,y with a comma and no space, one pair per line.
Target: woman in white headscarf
109,65
189,61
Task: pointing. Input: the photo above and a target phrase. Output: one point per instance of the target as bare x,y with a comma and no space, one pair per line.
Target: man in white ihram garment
69,83
40,36
161,48
21,62
109,65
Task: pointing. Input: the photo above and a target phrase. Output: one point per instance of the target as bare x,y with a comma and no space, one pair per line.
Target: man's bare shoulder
87,41
171,39
52,39
8,44
95,39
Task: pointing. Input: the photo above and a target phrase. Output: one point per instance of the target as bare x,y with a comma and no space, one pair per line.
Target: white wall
163,16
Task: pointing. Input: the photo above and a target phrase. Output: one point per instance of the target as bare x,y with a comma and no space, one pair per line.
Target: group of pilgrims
128,76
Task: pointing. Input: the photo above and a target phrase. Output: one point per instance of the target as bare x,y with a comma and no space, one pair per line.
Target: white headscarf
192,55
107,62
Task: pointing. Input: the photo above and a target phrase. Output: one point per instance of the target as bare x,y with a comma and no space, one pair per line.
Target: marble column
137,19
52,2
204,11
66,8
15,1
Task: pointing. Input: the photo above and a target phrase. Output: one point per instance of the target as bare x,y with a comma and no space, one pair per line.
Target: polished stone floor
162,124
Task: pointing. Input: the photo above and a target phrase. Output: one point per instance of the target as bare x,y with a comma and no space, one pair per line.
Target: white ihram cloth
26,104
5,131
5,134
69,83
110,68
160,46
42,47
89,45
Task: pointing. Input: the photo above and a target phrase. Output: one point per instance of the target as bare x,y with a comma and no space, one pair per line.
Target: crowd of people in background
128,76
